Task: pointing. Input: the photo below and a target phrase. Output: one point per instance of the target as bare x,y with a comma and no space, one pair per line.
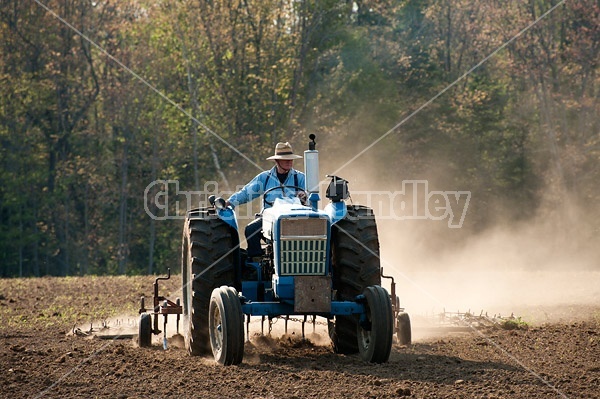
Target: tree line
100,98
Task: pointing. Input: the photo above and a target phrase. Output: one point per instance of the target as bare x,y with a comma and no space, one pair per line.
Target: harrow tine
303,323
247,328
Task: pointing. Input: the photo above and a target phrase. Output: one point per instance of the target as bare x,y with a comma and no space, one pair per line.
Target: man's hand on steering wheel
303,197
300,194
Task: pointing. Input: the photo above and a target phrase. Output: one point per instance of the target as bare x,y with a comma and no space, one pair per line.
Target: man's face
284,165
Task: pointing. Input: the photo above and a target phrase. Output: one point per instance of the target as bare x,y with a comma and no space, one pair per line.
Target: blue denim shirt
264,181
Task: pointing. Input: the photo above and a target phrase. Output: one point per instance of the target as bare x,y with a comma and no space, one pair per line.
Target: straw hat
284,151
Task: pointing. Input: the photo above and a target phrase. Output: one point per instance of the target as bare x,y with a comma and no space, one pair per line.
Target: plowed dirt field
40,357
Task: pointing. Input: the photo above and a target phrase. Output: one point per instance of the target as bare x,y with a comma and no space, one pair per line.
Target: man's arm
250,191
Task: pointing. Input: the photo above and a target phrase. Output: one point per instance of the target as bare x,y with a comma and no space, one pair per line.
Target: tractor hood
288,208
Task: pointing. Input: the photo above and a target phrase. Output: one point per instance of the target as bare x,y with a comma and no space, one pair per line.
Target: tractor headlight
220,203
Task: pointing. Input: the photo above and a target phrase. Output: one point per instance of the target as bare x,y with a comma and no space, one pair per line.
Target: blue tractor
315,263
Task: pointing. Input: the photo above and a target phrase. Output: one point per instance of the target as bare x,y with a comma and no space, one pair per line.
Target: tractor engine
301,247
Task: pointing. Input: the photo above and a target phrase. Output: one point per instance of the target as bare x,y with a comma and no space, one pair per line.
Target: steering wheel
300,192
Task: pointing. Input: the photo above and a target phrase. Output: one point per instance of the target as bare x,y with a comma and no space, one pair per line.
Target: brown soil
40,357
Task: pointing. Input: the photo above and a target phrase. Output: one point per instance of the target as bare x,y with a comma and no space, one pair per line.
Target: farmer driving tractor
290,181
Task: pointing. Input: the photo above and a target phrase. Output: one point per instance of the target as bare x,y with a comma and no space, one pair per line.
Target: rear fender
227,215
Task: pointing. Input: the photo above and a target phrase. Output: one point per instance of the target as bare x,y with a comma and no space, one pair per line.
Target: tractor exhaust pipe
311,170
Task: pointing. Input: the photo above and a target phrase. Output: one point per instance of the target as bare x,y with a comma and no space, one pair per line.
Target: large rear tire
208,262
226,326
356,266
376,332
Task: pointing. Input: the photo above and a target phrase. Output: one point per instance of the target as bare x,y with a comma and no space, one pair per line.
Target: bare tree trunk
152,242
66,265
448,41
86,231
299,70
196,113
36,260
151,246
20,243
123,208
551,134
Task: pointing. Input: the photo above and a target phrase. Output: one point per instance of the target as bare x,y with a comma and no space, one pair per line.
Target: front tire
226,326
375,333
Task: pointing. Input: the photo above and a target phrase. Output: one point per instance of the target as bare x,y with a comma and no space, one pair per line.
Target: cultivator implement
465,321
161,306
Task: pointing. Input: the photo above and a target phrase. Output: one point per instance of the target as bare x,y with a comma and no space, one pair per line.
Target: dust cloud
118,327
542,269
498,272
259,333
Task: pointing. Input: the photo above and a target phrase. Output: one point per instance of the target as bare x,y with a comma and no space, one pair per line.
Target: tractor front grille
303,227
303,256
